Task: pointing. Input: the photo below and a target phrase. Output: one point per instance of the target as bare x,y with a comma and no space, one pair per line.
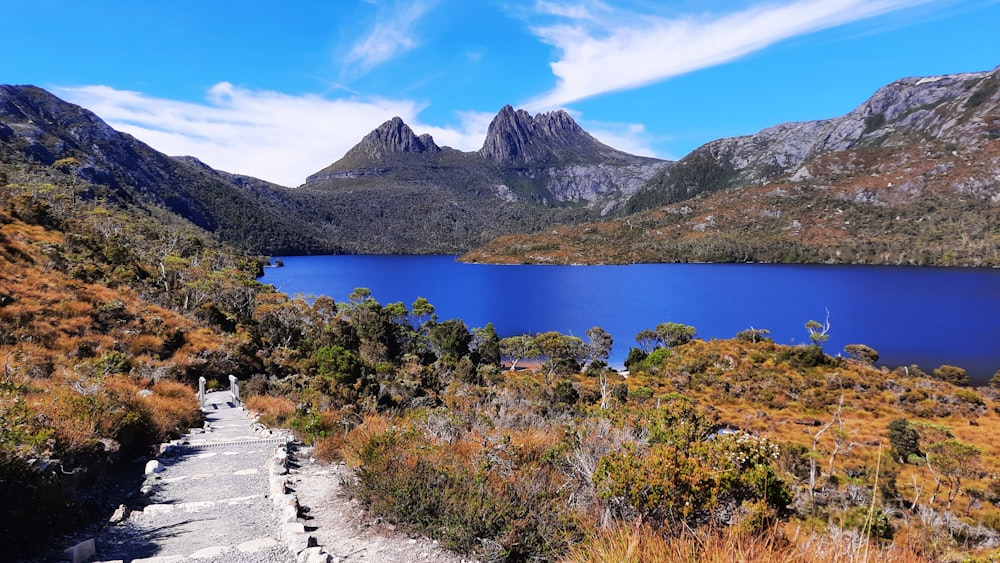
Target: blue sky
279,90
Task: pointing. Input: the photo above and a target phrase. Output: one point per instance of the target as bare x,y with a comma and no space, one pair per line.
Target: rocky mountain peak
392,137
514,136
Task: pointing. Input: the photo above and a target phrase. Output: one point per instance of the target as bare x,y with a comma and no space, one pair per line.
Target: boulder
153,466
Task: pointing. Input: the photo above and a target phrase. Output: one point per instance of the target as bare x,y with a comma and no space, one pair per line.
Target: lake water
926,316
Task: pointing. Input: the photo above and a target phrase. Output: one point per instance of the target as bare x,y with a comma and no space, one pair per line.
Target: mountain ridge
533,174
910,176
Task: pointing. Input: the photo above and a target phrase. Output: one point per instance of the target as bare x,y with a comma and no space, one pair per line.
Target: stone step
215,552
252,441
154,510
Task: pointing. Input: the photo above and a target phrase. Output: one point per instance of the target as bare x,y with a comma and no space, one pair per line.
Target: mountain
911,176
908,177
531,173
906,111
39,127
394,192
515,137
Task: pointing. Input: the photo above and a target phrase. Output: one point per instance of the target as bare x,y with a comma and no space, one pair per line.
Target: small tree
905,439
599,344
675,334
486,345
754,335
518,348
647,340
862,353
421,313
952,460
635,356
819,332
952,374
995,380
451,338
562,353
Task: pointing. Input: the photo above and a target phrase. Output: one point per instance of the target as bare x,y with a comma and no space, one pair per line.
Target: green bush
336,365
695,483
465,499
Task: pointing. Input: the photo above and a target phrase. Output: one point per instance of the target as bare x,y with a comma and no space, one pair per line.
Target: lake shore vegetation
786,452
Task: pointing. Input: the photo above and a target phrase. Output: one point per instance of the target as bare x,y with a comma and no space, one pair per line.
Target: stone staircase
212,497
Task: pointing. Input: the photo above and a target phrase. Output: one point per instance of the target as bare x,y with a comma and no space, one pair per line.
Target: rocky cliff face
601,186
515,137
945,108
392,137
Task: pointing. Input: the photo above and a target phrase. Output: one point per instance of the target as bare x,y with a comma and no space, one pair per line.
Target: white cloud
605,50
269,135
632,138
391,35
468,136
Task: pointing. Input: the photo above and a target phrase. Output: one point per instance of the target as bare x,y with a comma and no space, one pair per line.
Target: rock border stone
286,507
292,533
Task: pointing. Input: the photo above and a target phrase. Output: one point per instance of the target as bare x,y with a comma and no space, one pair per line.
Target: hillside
41,128
108,313
909,177
712,448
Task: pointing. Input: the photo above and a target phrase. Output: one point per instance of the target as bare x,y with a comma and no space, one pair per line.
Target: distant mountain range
910,176
395,192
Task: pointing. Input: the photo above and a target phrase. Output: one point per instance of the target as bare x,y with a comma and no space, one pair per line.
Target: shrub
463,495
969,396
657,358
802,357
566,394
754,335
337,366
862,353
640,394
706,480
174,409
635,357
952,374
905,440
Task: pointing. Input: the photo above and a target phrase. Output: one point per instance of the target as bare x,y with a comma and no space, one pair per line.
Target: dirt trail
343,528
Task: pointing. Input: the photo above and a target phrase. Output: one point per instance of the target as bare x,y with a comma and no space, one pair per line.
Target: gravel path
211,503
345,530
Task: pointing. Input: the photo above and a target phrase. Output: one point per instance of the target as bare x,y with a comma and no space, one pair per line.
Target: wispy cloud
604,49
632,138
269,135
391,35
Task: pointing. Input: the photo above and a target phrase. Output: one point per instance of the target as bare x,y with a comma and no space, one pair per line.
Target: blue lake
924,316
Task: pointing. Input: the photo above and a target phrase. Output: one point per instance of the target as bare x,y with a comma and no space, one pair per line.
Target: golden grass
273,411
373,425
640,543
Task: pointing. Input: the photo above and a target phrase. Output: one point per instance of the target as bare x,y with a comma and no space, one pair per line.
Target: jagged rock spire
393,136
515,136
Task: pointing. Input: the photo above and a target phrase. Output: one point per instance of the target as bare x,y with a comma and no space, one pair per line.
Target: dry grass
640,543
373,425
273,411
174,408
